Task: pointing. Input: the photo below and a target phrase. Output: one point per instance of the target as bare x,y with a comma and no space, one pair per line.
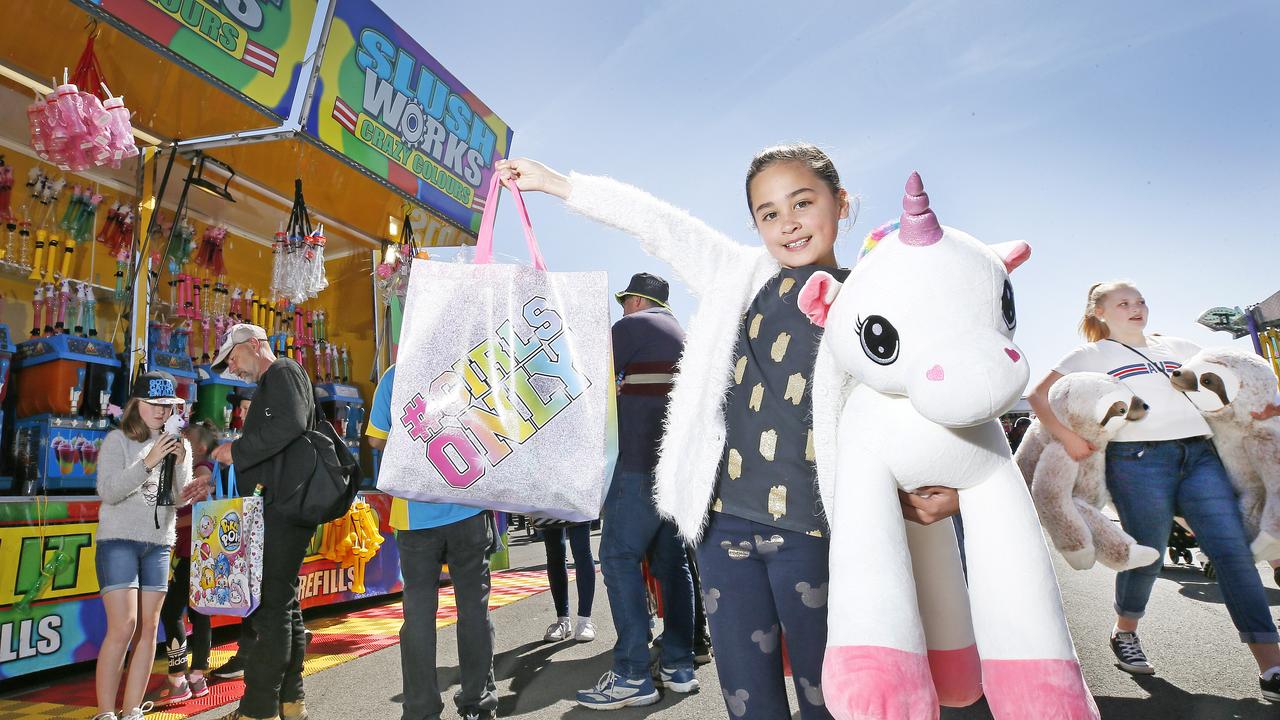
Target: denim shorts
132,564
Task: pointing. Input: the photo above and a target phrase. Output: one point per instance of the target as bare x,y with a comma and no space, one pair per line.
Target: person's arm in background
624,346
289,401
200,486
379,426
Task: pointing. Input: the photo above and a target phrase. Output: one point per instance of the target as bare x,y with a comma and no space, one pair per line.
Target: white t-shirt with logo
1171,415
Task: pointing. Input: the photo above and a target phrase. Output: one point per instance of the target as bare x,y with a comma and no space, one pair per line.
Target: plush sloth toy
1228,386
1069,495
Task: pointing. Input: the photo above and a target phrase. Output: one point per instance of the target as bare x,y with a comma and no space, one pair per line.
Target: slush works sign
386,104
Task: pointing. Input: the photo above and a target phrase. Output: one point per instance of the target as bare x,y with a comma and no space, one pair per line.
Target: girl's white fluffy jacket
724,276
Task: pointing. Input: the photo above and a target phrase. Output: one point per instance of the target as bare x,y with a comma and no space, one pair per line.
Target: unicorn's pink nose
936,374
1014,355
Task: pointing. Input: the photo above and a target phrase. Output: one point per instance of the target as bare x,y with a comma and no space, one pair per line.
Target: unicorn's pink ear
817,296
1013,253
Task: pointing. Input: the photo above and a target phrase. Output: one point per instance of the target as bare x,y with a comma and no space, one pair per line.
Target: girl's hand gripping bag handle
484,239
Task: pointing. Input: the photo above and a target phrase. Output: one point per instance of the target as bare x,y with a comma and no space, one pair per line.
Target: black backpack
323,476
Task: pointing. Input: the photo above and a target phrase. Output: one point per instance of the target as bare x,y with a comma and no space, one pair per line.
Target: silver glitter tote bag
504,395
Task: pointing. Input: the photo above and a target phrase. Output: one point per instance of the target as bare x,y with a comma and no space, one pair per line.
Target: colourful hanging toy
6,192
209,255
352,541
74,129
60,560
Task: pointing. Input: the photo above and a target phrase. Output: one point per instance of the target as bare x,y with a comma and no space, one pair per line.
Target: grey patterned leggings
763,586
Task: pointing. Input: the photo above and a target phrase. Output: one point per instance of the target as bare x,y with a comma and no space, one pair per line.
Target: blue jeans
631,526
1150,482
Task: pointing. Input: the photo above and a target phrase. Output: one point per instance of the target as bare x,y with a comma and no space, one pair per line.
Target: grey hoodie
129,492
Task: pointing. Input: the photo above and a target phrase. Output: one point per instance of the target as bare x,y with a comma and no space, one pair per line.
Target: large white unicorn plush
916,363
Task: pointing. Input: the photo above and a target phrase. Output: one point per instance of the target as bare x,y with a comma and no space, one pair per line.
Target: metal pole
378,314
1252,323
145,240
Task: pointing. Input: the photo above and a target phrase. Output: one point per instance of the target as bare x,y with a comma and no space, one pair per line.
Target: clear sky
1136,139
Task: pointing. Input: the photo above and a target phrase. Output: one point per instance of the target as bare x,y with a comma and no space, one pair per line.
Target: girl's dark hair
812,156
132,424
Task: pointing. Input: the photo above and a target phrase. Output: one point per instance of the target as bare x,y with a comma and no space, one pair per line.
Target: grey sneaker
199,685
614,691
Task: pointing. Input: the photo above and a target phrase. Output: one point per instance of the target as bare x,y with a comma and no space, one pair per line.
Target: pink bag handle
484,240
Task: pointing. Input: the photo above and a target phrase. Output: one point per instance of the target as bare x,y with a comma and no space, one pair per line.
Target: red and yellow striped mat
336,640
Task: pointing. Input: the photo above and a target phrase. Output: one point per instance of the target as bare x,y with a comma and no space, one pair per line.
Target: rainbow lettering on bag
503,391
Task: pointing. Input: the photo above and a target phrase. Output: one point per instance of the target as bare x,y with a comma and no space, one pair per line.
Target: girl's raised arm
695,250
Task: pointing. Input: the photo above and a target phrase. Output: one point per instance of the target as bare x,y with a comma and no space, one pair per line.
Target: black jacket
282,409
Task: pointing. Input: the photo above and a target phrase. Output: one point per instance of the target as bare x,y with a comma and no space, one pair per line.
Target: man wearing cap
283,409
647,343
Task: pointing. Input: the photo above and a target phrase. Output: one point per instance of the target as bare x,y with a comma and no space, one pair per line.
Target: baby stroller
1181,541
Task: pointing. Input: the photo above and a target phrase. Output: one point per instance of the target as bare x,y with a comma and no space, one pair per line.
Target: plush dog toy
1228,386
1069,495
916,363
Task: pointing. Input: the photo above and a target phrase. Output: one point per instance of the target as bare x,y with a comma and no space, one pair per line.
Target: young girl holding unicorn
736,471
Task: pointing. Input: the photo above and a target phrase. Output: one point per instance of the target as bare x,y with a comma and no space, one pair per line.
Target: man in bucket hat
647,343
283,409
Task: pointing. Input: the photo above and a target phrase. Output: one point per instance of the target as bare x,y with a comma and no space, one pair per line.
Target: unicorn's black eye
879,339
1007,308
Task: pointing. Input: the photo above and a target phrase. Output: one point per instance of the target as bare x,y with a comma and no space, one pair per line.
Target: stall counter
67,623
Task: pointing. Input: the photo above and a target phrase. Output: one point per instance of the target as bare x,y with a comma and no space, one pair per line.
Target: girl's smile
797,214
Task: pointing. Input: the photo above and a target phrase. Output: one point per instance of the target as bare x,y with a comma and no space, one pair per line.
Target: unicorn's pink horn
919,224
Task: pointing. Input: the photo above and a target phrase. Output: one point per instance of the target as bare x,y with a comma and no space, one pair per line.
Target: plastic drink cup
66,457
89,457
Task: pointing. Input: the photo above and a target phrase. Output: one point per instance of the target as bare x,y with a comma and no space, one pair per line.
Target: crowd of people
715,485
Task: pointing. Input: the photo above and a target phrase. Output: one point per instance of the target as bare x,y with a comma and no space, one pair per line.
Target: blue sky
1134,140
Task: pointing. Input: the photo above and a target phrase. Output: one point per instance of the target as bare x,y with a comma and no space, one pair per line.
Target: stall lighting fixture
37,86
203,183
393,226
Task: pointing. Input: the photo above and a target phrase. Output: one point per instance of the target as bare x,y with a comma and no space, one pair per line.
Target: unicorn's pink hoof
1037,690
865,682
957,676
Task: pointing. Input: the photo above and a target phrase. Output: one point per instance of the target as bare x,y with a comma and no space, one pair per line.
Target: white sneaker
585,630
138,712
561,629
105,716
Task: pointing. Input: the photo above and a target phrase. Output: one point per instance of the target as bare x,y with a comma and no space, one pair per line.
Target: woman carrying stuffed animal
736,472
1162,465
135,537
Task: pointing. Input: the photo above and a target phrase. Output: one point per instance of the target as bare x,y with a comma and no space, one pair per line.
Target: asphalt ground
1204,672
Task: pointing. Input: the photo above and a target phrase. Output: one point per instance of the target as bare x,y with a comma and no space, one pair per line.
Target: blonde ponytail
1091,326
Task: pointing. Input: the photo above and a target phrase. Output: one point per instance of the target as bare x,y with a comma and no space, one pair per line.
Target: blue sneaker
677,680
614,691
